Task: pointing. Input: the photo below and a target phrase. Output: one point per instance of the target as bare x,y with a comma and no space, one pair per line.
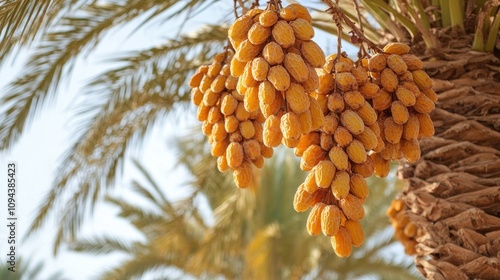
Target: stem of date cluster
277,4
358,13
329,199
242,5
362,52
228,47
428,37
338,22
335,10
339,40
255,4
235,8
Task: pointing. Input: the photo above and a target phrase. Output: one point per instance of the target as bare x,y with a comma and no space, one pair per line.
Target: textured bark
453,191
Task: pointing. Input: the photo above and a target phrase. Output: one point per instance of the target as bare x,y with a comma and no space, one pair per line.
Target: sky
39,150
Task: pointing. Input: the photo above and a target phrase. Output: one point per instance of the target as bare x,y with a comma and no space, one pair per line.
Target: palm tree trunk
453,191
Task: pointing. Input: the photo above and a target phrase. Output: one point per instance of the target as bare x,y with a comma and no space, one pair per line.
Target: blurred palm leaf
73,36
22,20
255,233
26,269
144,92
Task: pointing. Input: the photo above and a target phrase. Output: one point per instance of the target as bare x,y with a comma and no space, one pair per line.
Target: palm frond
194,155
385,20
76,35
161,251
181,55
17,16
97,156
217,251
323,21
169,239
139,217
169,242
134,268
27,268
278,182
166,11
261,253
21,21
158,197
103,245
377,5
382,191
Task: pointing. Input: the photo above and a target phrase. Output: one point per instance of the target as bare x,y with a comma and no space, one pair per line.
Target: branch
337,12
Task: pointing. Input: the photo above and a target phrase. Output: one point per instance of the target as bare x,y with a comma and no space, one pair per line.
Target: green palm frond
323,21
53,59
21,21
92,163
182,56
26,268
103,245
400,17
139,217
167,10
262,252
221,246
158,198
169,239
194,155
385,21
134,268
75,35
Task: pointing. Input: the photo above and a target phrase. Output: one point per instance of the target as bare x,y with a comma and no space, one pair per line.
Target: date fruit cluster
405,231
235,134
346,120
404,102
275,59
336,156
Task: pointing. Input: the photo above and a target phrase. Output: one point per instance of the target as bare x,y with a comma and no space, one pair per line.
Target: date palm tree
453,190
249,234
452,193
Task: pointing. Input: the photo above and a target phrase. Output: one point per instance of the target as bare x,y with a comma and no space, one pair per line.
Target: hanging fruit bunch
404,102
346,121
275,60
235,134
405,231
336,156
